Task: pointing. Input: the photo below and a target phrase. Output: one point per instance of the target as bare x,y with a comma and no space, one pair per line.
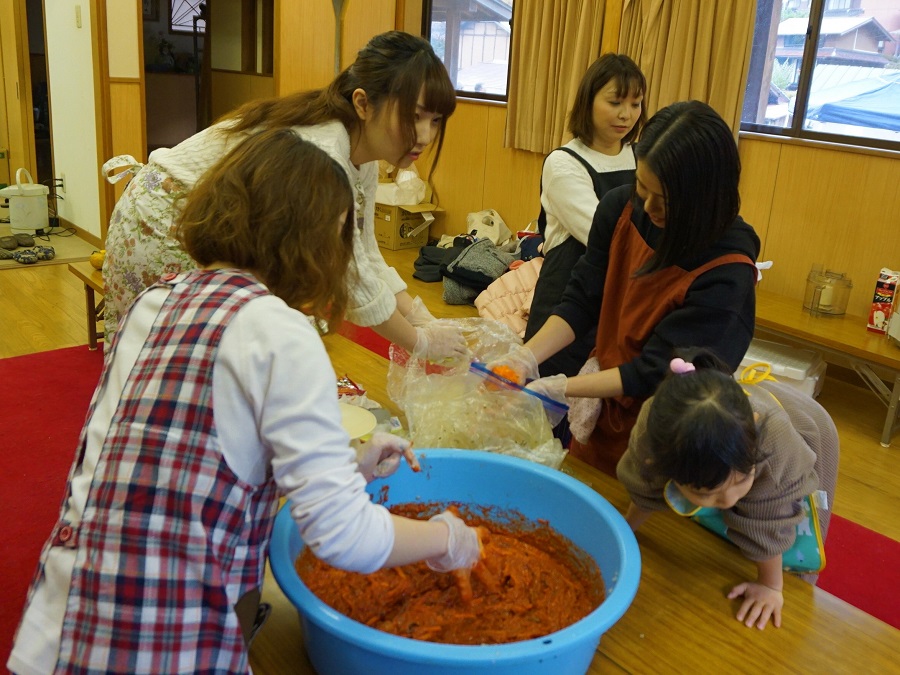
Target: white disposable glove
521,360
584,412
463,545
419,314
438,341
552,387
380,456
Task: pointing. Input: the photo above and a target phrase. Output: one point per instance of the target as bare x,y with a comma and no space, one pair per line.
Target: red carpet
365,337
44,400
863,568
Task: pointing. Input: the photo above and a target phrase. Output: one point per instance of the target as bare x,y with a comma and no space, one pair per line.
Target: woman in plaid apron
216,397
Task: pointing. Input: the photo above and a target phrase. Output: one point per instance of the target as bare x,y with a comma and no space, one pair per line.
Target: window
826,70
182,16
472,39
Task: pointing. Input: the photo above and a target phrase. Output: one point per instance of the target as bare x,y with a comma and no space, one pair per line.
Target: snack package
883,302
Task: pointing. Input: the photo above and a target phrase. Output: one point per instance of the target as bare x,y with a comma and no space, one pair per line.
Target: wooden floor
43,308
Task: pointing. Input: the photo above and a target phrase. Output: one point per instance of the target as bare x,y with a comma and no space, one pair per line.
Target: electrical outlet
62,183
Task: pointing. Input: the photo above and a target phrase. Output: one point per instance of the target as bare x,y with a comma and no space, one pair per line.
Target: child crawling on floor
759,458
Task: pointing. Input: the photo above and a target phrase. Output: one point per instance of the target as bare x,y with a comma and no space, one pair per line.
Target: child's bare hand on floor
760,604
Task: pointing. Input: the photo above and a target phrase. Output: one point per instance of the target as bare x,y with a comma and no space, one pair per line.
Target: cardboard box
400,227
801,368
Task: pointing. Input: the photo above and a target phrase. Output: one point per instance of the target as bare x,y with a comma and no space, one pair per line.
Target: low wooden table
93,283
680,620
843,340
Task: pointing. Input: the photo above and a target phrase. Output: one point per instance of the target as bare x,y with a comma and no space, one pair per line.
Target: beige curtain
553,43
691,49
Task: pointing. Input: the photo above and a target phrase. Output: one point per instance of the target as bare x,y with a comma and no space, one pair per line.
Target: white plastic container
28,209
802,368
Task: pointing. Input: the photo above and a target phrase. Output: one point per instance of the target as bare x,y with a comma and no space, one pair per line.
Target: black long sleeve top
718,311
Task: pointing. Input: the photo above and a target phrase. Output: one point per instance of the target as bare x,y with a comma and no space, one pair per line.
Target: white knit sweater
372,298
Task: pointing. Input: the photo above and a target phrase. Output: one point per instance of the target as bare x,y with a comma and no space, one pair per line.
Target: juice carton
883,302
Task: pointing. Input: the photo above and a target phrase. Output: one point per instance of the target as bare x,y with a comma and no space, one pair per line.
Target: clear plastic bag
457,406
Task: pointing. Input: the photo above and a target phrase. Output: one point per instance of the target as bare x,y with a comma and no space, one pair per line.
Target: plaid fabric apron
170,537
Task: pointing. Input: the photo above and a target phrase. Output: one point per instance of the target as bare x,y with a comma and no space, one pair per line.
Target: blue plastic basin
338,645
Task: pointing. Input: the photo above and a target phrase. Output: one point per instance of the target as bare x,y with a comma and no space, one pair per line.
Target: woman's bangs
440,97
629,85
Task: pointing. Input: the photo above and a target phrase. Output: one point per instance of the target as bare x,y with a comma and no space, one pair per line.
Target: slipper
9,243
6,255
44,252
26,257
23,239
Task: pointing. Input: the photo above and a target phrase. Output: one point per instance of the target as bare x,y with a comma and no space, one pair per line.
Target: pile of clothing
498,280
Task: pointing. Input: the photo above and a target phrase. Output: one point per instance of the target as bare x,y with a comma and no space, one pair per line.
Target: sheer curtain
553,43
691,49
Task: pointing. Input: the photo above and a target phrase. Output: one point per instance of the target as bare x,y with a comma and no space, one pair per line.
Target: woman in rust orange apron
669,264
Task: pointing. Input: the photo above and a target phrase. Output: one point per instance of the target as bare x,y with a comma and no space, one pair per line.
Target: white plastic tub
802,368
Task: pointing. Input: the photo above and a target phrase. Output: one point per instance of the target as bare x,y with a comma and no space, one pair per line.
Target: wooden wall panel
759,170
512,178
304,45
410,17
307,62
362,22
128,138
836,208
460,175
230,90
261,87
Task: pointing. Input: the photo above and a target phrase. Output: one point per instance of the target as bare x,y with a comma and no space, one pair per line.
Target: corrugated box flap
421,208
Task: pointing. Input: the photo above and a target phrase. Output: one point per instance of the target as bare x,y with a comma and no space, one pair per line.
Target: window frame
427,6
183,30
807,67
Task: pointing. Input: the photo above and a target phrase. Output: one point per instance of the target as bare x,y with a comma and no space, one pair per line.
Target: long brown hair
271,206
392,68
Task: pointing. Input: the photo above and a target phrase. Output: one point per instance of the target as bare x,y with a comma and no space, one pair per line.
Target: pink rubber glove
553,387
463,546
439,341
584,412
521,360
380,456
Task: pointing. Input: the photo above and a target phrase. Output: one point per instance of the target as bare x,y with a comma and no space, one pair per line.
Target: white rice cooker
27,204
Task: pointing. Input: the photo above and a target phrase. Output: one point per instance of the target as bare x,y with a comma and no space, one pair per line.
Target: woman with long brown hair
390,104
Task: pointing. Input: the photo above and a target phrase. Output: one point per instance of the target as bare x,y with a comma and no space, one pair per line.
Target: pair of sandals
16,240
29,256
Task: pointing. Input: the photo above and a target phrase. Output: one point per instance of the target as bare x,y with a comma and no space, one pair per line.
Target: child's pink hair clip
680,366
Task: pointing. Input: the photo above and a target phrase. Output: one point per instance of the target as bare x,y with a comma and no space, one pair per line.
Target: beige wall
817,204
476,172
809,203
305,39
126,85
73,107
